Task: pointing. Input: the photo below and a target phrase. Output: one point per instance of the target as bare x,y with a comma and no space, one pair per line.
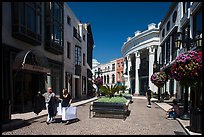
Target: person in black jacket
39,103
148,94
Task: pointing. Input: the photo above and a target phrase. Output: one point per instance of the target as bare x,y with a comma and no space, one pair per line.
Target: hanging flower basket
98,81
187,68
159,78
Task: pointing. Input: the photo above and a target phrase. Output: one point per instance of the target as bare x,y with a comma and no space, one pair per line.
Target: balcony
23,33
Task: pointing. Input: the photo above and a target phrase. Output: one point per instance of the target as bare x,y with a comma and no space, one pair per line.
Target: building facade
110,72
139,53
40,49
184,18
119,71
181,17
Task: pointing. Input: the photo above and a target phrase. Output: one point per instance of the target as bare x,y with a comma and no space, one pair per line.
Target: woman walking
66,102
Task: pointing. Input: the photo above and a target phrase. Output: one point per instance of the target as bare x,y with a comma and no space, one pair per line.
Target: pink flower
187,66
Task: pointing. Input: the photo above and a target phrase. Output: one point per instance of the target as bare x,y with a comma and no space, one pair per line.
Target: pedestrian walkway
21,118
31,115
184,123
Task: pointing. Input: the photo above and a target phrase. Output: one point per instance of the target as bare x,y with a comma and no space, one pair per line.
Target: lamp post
156,68
187,43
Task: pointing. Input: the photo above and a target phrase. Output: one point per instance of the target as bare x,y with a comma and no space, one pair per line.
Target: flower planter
107,109
128,97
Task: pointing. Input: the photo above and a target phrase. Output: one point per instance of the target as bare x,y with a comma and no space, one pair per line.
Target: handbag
59,109
69,113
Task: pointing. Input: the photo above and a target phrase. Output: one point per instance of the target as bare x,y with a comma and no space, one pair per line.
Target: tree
109,90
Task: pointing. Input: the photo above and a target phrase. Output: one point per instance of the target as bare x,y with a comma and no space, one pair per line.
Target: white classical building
110,72
139,54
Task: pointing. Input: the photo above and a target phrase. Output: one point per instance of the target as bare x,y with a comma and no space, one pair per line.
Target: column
124,64
129,65
48,80
137,66
151,62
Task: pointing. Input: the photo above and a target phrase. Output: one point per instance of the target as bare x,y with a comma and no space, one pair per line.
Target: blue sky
113,22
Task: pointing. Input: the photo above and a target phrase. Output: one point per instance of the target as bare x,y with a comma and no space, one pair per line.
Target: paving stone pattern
141,121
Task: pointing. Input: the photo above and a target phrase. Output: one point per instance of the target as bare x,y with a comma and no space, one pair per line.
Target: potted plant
110,105
187,68
159,78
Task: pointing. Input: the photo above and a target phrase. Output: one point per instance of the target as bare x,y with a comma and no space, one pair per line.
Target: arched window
107,79
174,16
168,26
163,32
113,79
104,79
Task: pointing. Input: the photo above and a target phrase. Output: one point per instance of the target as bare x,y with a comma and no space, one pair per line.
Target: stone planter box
106,109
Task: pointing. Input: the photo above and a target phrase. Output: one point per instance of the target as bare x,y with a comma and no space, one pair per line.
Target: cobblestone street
142,121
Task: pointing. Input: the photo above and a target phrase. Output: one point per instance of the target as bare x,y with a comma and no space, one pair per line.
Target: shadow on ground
20,123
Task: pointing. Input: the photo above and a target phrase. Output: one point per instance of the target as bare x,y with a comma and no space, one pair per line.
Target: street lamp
187,43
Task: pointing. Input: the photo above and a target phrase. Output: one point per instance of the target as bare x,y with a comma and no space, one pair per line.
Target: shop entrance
26,86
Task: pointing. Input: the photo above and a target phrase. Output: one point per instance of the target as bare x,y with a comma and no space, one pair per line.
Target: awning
33,60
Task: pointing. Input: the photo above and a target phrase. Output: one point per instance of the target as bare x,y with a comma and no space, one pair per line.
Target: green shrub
112,100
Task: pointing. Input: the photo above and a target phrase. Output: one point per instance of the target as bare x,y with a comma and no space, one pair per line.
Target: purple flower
187,66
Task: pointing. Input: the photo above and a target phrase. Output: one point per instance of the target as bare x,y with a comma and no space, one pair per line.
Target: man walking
148,94
48,95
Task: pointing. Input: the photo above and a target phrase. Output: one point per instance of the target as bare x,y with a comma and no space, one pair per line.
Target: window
107,79
113,79
186,33
197,23
163,32
173,51
168,26
68,20
54,22
26,21
77,55
168,50
118,65
84,59
186,5
163,53
174,16
68,50
57,24
113,67
122,64
84,37
76,34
